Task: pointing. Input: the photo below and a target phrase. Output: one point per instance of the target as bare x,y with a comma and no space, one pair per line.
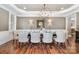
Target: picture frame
40,23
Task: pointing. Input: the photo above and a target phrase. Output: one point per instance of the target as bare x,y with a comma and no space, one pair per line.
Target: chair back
23,36
61,37
35,37
47,37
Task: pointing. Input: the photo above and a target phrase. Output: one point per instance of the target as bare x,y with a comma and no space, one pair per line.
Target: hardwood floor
10,48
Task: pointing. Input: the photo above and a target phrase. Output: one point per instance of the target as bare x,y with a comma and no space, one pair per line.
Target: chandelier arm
45,12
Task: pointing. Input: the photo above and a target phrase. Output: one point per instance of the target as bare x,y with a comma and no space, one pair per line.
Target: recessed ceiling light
62,8
25,8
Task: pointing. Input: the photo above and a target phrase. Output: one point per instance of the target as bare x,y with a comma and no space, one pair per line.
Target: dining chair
35,38
23,38
61,38
47,39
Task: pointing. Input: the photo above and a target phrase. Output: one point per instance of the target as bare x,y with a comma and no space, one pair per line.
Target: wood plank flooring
10,48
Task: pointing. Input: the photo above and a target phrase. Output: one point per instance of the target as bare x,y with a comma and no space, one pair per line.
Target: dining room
39,28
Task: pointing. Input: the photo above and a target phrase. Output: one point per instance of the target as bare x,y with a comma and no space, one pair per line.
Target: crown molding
21,13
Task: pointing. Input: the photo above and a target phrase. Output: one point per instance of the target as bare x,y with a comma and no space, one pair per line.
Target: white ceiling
38,7
12,8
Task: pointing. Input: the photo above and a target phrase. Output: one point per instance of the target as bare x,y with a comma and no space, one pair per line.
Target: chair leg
58,45
31,45
64,44
27,45
13,41
16,42
55,43
44,44
51,46
48,45
19,45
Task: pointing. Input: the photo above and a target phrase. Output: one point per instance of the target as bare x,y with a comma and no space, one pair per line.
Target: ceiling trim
21,13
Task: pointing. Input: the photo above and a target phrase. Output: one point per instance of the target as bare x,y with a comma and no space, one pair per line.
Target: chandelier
45,12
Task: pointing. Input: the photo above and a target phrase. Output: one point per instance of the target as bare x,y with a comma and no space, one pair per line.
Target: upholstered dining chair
47,39
61,38
15,37
35,38
23,37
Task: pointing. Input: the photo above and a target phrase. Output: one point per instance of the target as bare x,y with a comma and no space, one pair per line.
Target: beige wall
23,23
77,21
69,24
56,22
4,20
